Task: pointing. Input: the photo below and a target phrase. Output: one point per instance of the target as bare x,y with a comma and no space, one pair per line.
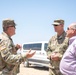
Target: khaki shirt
59,45
9,59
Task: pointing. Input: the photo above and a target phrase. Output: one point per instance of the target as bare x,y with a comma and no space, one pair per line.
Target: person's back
56,47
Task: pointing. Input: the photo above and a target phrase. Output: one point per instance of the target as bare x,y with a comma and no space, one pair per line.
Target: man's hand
29,54
55,57
18,46
49,57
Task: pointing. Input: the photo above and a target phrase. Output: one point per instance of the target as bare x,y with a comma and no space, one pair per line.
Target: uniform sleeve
7,56
49,51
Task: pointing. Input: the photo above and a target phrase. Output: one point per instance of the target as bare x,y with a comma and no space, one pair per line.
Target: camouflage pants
7,71
8,74
54,72
2,73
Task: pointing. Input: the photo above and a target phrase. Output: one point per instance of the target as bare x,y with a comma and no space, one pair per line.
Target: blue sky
34,17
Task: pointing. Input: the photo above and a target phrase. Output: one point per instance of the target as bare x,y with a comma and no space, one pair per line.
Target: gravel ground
33,70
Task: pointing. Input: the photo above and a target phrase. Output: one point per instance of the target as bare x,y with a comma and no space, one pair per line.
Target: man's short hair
73,25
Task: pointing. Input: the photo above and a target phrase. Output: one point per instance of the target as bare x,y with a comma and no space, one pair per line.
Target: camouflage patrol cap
8,22
58,22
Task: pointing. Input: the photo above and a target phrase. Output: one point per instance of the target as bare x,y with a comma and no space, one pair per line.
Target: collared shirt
68,61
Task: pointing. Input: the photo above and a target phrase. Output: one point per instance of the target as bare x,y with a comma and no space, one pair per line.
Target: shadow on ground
39,67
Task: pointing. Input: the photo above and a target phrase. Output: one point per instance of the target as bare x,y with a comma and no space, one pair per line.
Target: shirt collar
72,39
6,35
61,36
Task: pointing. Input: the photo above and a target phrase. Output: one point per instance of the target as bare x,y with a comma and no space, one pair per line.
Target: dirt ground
33,70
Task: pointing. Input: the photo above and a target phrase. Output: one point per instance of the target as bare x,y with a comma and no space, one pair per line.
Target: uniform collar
6,35
61,36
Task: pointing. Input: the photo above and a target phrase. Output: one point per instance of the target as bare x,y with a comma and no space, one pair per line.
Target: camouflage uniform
56,44
9,60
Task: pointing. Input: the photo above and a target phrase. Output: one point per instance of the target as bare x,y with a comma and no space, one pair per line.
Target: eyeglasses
70,29
56,25
67,28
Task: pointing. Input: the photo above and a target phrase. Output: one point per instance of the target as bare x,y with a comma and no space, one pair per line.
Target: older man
56,47
9,59
68,62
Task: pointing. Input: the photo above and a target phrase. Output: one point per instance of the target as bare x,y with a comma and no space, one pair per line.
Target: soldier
56,47
9,59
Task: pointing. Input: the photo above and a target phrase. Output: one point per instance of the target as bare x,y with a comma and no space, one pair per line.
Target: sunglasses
70,29
56,25
67,28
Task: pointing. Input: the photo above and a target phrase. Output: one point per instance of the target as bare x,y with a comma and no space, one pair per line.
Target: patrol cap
58,22
8,22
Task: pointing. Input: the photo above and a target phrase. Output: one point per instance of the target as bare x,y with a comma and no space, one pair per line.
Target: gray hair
73,25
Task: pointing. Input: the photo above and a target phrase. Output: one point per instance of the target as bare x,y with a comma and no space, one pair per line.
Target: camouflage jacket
58,45
9,60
